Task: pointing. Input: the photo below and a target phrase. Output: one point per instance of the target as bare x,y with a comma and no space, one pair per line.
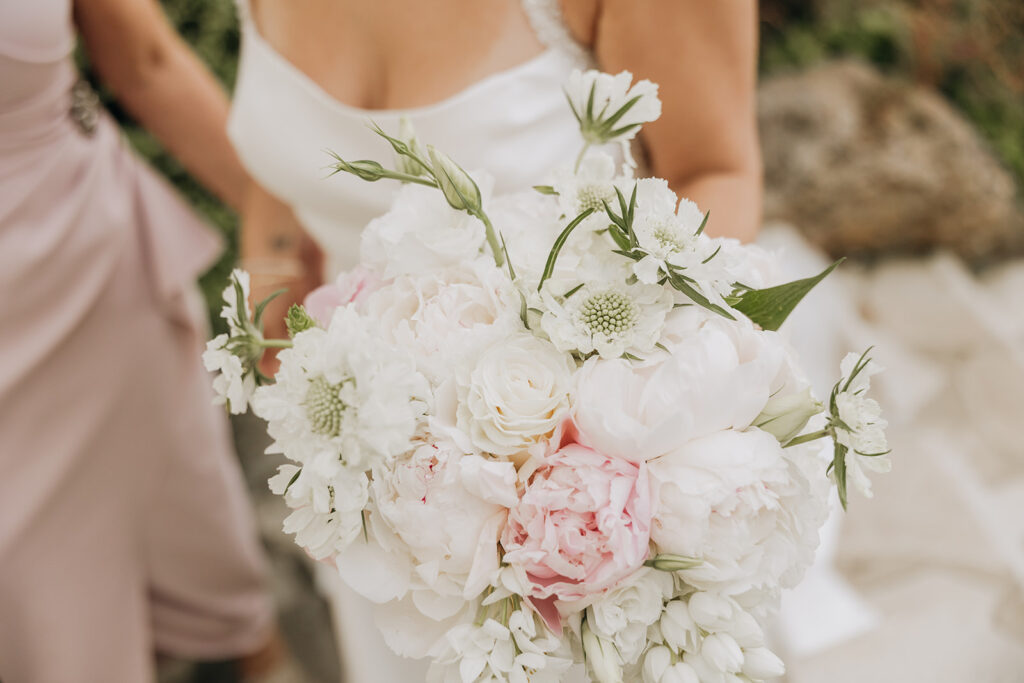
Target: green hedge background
972,51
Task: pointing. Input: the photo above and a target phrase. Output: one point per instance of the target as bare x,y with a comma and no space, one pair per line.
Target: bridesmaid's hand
278,254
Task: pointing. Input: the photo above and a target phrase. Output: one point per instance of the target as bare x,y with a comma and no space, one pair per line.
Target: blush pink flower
582,524
350,287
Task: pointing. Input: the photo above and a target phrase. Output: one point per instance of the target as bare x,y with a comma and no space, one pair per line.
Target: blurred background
893,134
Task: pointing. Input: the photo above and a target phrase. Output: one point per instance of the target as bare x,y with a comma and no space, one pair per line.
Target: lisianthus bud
761,663
672,563
785,416
677,626
602,657
403,163
722,652
656,662
365,169
680,672
459,189
298,320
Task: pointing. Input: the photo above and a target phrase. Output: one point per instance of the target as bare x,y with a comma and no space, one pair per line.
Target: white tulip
761,663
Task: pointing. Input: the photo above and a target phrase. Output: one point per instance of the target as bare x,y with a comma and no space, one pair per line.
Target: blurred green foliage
970,50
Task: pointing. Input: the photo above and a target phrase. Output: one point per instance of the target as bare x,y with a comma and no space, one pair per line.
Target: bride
481,81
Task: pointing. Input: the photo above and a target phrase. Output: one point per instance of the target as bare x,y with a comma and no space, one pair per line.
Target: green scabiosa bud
298,320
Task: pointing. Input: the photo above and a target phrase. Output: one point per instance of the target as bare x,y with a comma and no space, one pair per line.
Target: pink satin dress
124,524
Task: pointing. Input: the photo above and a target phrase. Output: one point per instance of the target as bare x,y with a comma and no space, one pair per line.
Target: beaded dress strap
548,24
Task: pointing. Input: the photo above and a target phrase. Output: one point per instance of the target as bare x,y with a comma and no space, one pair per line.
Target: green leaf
770,307
556,248
258,316
839,467
680,283
545,189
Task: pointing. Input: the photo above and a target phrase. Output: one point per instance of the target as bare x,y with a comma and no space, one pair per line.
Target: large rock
865,164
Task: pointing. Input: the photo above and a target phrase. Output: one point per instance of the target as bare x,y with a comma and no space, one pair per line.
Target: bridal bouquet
556,428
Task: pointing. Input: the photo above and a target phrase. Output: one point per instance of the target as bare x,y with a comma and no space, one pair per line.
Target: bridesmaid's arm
703,54
163,84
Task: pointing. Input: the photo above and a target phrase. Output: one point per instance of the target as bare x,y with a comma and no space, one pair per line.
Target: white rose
515,396
623,615
420,233
448,318
718,375
741,504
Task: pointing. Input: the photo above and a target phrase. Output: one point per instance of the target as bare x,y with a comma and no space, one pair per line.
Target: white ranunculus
622,615
595,97
421,233
234,384
446,509
718,375
446,319
516,395
607,319
742,505
343,391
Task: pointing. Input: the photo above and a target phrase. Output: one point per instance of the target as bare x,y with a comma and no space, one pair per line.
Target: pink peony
352,286
582,524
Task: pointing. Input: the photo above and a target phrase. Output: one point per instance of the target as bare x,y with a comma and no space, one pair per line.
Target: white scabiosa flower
234,384
588,187
611,108
607,318
238,288
327,502
858,426
345,392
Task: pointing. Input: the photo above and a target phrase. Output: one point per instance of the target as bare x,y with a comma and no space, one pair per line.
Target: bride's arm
160,81
703,53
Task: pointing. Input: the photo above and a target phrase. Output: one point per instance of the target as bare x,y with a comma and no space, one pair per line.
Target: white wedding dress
515,124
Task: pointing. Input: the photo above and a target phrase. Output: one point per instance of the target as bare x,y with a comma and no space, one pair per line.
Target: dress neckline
318,92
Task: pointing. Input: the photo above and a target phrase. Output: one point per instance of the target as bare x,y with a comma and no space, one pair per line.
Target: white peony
596,97
234,384
607,318
622,615
420,233
515,396
448,318
718,375
738,502
445,510
345,392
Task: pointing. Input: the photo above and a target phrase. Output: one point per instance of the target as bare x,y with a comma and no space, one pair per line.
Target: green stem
275,343
805,438
492,238
579,159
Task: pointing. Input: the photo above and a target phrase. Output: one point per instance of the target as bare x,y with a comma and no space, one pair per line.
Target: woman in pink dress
124,524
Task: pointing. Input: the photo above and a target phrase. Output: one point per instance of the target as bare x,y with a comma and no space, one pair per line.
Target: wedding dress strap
548,24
